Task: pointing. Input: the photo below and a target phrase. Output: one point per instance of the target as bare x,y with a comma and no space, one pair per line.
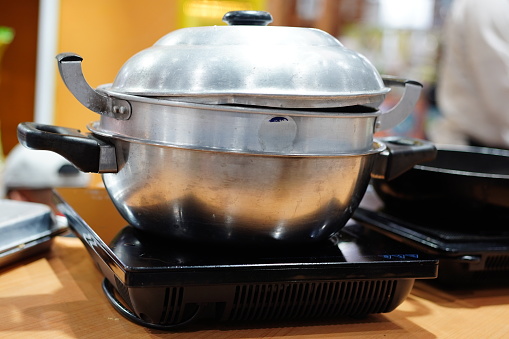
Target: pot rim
235,107
377,146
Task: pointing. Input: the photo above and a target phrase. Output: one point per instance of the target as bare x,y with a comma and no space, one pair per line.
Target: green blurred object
6,36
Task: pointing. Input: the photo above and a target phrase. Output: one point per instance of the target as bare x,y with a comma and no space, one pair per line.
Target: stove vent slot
173,312
497,262
496,269
311,299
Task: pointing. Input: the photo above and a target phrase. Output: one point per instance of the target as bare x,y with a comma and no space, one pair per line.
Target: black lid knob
254,18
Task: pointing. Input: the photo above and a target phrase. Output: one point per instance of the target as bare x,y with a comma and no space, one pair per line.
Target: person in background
473,79
30,175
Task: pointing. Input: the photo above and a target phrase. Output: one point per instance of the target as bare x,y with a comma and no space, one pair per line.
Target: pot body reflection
220,196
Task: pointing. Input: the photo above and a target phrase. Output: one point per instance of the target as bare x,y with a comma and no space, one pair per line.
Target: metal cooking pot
237,133
225,196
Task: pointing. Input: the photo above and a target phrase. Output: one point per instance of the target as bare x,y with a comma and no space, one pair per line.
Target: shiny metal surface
224,197
326,131
238,128
241,129
256,65
240,133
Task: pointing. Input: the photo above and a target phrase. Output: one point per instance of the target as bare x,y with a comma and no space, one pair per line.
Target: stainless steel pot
212,135
219,196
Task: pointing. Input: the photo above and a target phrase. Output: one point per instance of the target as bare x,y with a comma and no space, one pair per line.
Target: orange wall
17,69
105,34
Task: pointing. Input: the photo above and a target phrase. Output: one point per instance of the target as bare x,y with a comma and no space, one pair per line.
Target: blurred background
401,38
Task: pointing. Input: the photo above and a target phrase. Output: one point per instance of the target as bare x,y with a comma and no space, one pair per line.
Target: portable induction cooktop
473,249
166,283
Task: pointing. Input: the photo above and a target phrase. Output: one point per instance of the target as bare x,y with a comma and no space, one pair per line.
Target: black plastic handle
253,18
84,151
401,155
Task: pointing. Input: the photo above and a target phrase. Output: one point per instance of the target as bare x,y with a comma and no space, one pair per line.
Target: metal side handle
404,107
69,66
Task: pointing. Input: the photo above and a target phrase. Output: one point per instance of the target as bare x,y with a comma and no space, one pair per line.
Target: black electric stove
165,283
473,249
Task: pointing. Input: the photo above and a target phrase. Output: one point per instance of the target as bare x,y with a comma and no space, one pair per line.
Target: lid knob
254,18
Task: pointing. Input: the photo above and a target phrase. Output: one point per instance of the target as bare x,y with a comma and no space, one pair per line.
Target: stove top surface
354,253
473,249
438,234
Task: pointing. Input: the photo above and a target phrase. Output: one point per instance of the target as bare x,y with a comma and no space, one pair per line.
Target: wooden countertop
58,295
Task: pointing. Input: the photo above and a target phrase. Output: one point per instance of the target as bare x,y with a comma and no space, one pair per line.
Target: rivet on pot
121,110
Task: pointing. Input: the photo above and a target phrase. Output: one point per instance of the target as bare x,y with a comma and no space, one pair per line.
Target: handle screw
119,110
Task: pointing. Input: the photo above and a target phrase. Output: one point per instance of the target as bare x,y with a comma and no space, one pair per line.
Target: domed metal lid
250,63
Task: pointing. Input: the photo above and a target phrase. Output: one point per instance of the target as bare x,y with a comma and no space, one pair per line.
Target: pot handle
255,18
401,154
404,107
86,152
69,65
